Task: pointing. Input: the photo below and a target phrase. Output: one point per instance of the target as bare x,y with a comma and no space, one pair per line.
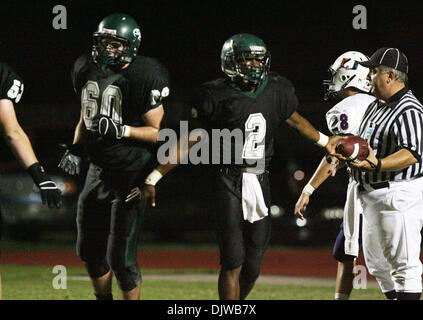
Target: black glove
105,126
71,160
49,191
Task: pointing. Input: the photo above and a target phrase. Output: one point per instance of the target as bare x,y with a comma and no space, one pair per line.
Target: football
353,147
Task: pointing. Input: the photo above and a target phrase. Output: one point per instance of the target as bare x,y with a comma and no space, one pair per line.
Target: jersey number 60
111,102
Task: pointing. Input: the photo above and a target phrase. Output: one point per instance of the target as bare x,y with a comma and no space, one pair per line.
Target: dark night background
304,38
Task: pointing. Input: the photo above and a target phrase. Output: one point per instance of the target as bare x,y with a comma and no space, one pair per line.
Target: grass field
36,283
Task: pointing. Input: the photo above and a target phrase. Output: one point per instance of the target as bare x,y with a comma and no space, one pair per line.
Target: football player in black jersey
11,90
257,102
121,111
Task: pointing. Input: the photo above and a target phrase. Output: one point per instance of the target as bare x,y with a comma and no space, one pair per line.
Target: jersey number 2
255,131
111,102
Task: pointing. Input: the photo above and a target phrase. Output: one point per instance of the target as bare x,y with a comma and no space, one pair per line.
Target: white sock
341,296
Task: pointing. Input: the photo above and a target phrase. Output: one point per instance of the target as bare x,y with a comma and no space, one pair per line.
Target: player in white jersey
349,83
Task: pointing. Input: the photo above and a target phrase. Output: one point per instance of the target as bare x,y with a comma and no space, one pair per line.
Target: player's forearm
308,131
397,161
321,174
21,147
177,153
303,127
81,132
146,134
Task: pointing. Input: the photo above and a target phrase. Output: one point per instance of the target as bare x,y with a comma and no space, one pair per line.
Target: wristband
308,189
379,165
323,140
153,177
126,132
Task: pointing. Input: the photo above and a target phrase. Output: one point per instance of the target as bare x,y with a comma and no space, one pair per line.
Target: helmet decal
137,33
345,61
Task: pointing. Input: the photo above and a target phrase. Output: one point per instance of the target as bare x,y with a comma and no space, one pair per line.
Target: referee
390,179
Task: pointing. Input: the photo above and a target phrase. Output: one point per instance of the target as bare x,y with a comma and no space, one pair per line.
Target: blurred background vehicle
23,214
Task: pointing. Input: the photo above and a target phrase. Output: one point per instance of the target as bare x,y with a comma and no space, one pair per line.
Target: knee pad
95,264
96,269
128,278
251,267
122,260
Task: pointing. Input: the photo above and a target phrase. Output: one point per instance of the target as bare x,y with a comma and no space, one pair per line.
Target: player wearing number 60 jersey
254,103
121,97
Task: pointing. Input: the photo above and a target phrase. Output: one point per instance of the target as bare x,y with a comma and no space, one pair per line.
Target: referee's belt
373,186
237,171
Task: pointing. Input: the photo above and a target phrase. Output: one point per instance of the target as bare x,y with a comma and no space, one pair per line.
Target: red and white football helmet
346,72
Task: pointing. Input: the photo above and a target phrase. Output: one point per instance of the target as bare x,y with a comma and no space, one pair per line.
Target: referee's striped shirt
389,127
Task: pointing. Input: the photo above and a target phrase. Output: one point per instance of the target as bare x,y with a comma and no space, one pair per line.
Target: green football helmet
245,57
113,31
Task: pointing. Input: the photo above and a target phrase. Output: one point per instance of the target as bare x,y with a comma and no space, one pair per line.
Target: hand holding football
353,147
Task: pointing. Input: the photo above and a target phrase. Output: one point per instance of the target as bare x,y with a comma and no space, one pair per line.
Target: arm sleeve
159,88
76,70
408,132
11,85
289,101
203,114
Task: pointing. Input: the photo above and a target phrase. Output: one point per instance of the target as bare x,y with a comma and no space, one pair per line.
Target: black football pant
241,243
108,228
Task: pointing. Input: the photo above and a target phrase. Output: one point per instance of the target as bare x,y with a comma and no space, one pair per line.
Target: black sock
408,295
391,295
106,297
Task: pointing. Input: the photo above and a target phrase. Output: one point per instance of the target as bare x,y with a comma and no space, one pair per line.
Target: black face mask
108,57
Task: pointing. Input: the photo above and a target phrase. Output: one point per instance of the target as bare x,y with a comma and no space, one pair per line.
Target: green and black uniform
108,228
11,87
258,115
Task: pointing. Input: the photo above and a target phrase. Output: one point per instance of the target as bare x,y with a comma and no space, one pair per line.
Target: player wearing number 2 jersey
255,102
121,110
